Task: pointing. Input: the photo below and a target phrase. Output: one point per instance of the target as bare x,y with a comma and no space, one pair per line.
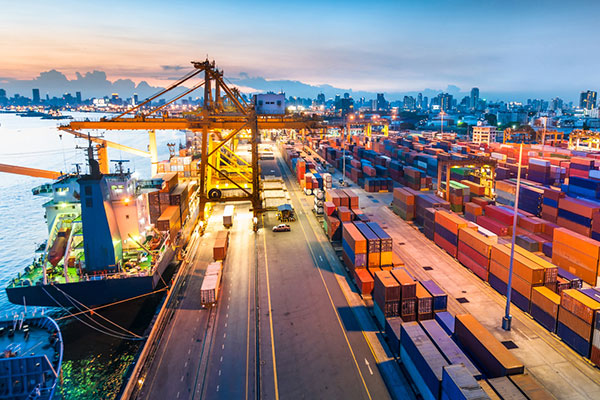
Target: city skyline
501,48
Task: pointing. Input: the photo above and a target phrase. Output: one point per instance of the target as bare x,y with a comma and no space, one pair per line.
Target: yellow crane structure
224,117
531,136
486,170
582,139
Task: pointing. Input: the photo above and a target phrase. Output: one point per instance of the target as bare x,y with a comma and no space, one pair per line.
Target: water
94,363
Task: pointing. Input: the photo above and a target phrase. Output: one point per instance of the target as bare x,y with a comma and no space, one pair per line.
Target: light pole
507,319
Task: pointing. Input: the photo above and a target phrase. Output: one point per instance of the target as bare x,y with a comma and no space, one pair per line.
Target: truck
228,216
209,291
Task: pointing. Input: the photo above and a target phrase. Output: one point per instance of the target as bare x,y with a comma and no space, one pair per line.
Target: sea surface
95,361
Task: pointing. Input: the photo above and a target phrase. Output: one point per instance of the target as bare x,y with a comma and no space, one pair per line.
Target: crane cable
71,298
83,322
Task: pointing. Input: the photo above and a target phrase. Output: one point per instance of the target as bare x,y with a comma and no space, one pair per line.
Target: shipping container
440,298
168,219
209,291
459,384
446,321
531,387
506,389
491,355
422,360
424,303
228,215
448,348
393,327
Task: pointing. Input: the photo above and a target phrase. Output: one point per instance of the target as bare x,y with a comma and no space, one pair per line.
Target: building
587,100
409,103
444,100
78,97
269,103
382,103
474,98
321,99
35,96
420,101
484,134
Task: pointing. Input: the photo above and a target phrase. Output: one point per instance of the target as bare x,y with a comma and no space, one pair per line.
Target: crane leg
153,151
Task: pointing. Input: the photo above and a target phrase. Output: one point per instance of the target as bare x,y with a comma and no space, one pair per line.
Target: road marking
368,366
227,315
189,351
185,365
219,372
177,394
224,335
320,258
270,315
223,346
181,378
228,306
225,324
217,388
228,298
335,311
221,359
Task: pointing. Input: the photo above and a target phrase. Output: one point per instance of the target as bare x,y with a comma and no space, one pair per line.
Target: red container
364,280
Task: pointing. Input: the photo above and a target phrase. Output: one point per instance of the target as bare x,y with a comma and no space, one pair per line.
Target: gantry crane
224,116
486,171
582,139
531,136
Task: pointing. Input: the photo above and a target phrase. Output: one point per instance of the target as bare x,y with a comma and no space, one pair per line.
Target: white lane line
217,388
228,298
225,324
189,351
228,306
368,366
219,372
224,335
227,315
221,359
177,394
223,346
181,378
185,365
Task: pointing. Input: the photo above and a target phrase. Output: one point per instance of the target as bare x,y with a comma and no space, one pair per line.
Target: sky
506,48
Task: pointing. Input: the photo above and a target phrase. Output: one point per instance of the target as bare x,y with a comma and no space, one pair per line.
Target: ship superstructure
104,243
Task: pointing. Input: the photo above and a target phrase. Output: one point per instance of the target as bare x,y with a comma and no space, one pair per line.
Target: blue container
547,248
459,384
497,284
448,348
576,342
446,234
578,219
392,332
550,202
440,298
422,360
519,300
543,318
446,321
576,282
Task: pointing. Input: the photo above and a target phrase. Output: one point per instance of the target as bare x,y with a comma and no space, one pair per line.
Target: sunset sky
503,46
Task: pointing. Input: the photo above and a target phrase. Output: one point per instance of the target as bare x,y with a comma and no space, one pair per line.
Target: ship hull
89,293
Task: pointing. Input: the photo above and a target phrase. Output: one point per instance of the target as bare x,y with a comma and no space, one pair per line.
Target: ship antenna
94,166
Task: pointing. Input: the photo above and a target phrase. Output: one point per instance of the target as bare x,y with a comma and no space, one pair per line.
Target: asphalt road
319,348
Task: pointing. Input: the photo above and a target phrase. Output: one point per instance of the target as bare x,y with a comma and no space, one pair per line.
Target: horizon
392,47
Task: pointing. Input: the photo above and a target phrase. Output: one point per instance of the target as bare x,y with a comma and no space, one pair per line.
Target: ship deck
57,274
37,343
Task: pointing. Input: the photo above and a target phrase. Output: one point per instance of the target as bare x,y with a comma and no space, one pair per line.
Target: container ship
32,358
110,238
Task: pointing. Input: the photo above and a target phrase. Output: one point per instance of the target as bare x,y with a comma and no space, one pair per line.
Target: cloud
173,67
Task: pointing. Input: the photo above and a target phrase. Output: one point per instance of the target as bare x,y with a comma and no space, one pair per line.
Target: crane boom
108,143
37,173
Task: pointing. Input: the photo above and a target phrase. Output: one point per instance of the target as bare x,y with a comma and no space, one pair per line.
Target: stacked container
354,247
550,204
576,319
492,356
440,298
386,296
408,294
373,244
424,303
403,203
526,274
577,214
386,257
544,307
474,251
221,245
576,254
447,226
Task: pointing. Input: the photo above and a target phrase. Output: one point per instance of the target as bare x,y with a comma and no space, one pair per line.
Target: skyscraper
474,98
420,101
382,104
445,101
2,93
78,97
587,100
36,96
321,99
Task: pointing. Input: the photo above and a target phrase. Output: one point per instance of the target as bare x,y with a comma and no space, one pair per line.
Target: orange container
584,244
524,268
476,241
450,221
579,304
354,238
518,283
546,300
575,324
587,275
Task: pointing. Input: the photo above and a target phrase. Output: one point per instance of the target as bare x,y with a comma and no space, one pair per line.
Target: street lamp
507,319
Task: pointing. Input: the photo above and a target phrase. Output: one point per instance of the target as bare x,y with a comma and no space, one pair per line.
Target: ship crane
35,172
223,117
